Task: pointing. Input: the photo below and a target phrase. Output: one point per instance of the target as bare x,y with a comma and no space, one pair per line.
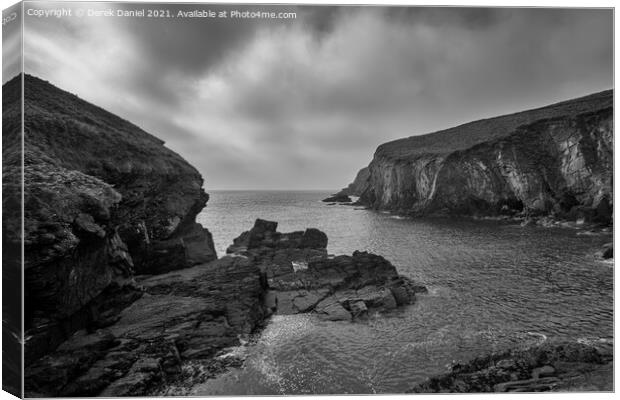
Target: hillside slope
104,200
556,160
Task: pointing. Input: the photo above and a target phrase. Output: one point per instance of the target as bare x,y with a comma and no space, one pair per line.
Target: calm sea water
491,286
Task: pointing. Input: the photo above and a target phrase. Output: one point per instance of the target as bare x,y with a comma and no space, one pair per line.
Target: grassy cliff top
72,133
470,134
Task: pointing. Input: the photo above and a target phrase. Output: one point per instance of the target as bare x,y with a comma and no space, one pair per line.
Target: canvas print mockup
210,199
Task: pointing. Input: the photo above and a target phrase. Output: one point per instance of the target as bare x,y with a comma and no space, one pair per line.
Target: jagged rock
555,161
358,308
188,314
331,309
608,251
53,372
543,372
302,278
549,366
313,239
142,377
85,226
338,198
264,238
528,385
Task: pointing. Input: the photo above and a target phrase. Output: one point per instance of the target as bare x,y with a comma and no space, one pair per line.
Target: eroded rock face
553,161
185,315
359,184
302,278
103,200
564,366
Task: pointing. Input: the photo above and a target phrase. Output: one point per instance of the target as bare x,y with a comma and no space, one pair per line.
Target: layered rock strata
301,277
555,161
184,315
554,366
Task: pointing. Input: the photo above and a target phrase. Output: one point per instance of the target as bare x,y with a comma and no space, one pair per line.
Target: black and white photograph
245,199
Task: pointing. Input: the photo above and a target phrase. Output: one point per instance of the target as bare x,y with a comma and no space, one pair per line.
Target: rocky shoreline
551,366
191,314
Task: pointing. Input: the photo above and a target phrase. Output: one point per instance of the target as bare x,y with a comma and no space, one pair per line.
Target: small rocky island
338,198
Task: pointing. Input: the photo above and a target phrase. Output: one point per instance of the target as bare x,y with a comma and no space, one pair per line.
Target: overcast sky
303,103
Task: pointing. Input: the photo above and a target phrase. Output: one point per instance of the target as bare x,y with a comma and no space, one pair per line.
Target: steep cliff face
357,187
103,200
557,160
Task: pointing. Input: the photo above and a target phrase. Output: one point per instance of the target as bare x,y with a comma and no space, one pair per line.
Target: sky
303,103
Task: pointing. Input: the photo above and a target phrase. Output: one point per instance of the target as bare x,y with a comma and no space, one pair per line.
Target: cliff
103,200
357,187
556,161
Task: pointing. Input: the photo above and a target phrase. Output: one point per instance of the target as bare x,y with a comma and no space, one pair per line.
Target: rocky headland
103,200
554,162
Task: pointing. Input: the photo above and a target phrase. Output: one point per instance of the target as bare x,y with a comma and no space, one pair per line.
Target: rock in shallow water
608,251
363,277
546,367
338,198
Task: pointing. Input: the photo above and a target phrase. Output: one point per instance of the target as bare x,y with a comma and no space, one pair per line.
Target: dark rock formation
556,161
103,200
608,250
192,315
359,184
302,278
338,198
547,367
185,315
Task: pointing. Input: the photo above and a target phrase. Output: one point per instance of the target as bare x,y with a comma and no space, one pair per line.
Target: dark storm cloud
468,17
303,103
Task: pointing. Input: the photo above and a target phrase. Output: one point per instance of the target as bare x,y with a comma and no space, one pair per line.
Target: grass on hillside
470,134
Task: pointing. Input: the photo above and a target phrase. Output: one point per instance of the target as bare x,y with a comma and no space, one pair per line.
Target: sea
492,286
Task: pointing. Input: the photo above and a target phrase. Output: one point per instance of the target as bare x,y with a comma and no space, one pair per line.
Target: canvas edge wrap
12,202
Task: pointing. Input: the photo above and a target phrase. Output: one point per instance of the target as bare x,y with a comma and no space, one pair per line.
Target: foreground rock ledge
191,315
552,366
